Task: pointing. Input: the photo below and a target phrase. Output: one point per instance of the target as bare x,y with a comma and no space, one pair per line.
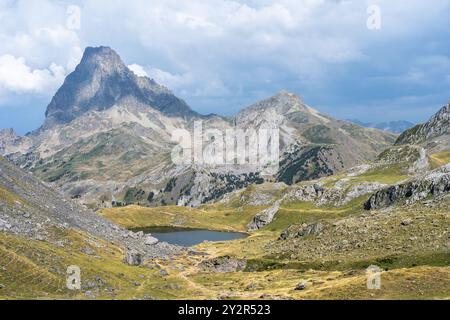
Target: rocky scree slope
437,128
29,208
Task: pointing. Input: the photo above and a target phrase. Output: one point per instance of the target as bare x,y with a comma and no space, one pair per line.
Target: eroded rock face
297,231
37,207
223,264
438,125
306,193
133,258
264,218
10,142
433,184
106,140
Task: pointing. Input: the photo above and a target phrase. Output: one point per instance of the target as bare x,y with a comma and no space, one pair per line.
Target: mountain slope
29,208
438,125
313,145
107,140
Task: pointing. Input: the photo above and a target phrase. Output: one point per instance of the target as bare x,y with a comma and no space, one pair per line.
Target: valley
94,186
409,242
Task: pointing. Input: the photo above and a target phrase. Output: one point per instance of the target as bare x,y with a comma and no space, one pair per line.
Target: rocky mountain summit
10,142
107,140
101,81
437,126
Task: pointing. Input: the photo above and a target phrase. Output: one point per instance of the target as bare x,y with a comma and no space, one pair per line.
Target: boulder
150,241
133,258
301,286
406,222
264,218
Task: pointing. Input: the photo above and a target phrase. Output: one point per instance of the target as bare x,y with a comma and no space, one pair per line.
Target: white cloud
227,48
17,76
138,70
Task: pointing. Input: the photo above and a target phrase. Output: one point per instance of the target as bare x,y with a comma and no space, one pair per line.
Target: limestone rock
264,218
296,231
150,241
432,184
223,264
133,258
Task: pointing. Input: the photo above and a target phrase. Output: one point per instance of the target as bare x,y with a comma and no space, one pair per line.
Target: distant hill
391,126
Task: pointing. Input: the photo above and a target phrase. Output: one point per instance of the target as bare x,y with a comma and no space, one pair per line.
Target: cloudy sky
221,55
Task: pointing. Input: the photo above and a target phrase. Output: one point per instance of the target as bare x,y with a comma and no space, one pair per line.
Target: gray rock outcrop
432,184
297,231
438,125
223,264
264,218
133,258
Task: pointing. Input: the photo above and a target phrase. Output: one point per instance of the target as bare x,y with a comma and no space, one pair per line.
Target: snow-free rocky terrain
345,198
106,140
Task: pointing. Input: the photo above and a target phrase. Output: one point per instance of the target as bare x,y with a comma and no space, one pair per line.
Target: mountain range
106,140
391,126
344,198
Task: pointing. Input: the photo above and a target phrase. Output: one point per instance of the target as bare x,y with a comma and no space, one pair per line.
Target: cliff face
101,81
438,125
433,184
107,140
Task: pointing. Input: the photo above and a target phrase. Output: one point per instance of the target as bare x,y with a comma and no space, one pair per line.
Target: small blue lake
190,237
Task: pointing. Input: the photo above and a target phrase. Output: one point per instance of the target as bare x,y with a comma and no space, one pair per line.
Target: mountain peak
7,132
101,81
438,125
285,93
281,102
101,51
103,57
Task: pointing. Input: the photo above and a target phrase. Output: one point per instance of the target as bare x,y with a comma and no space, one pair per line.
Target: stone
296,231
133,258
163,272
264,218
223,264
88,251
406,222
140,234
150,241
301,286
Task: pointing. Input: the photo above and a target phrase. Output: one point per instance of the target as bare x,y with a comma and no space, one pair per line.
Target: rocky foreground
30,208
